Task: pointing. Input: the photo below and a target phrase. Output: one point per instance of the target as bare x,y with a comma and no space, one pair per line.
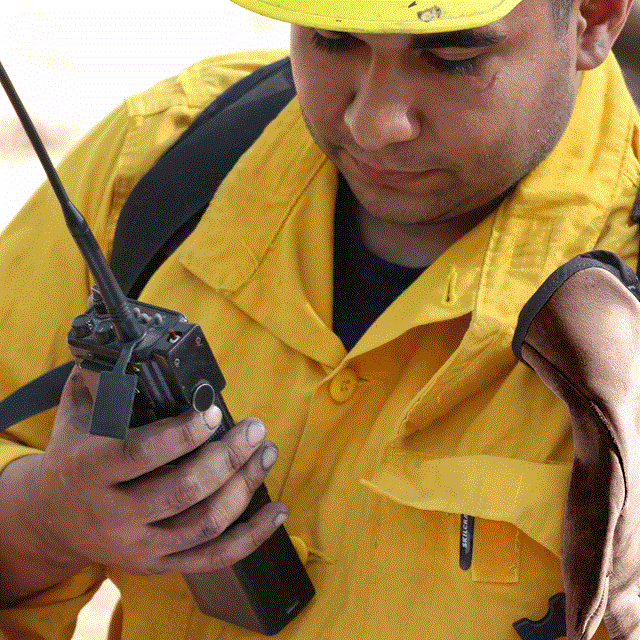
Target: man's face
430,127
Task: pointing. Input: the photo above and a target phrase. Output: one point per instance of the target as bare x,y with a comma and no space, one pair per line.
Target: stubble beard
460,198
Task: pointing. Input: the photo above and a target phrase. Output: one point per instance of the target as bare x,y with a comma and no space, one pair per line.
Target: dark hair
561,10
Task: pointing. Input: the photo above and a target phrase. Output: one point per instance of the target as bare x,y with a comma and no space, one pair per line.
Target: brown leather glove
580,332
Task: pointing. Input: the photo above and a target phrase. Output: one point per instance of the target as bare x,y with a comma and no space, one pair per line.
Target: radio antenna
125,326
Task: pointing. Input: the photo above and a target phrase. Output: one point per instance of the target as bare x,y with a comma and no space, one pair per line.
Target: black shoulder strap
168,201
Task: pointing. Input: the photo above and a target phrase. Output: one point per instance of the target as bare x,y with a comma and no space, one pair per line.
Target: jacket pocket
530,496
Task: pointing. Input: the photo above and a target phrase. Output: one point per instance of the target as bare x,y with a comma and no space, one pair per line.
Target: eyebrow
464,39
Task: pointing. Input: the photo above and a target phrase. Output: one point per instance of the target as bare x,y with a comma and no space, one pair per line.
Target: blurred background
72,63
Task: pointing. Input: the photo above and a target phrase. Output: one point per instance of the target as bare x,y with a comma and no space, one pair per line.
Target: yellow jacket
382,448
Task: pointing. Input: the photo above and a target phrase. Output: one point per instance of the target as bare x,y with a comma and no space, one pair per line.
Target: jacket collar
275,210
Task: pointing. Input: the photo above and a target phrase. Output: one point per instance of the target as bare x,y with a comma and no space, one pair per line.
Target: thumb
76,404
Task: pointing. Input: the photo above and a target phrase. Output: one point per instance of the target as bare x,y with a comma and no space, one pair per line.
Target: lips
389,176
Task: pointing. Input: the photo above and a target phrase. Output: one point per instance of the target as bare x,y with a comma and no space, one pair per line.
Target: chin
391,206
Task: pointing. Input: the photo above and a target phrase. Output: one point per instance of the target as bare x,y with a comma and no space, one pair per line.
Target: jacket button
343,385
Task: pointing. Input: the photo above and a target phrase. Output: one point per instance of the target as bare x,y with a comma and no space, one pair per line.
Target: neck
417,245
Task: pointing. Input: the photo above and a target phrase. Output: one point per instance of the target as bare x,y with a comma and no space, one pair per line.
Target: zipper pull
466,541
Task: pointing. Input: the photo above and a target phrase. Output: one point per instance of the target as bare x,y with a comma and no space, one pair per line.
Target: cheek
469,122
319,93
487,116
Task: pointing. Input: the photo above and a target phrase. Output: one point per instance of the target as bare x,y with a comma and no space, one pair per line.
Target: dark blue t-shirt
364,285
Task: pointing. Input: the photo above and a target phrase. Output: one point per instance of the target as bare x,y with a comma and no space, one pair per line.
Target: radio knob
100,309
81,327
203,396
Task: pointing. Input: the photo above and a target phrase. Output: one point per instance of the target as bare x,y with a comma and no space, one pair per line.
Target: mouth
389,176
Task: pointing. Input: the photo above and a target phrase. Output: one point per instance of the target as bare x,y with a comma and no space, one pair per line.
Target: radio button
105,333
203,396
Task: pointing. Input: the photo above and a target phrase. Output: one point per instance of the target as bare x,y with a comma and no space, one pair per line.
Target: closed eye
337,41
453,65
454,62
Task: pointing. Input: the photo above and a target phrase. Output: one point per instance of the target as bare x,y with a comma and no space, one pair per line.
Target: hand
124,503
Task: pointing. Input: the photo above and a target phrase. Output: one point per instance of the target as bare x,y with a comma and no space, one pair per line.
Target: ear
599,23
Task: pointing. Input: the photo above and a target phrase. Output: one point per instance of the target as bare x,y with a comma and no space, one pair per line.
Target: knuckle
232,459
221,557
251,482
182,493
237,543
140,450
213,524
209,527
186,492
257,537
227,460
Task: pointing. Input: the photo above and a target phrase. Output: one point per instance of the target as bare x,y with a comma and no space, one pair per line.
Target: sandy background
72,64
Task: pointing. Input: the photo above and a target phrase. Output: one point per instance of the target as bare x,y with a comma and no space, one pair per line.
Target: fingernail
269,457
211,417
256,432
280,518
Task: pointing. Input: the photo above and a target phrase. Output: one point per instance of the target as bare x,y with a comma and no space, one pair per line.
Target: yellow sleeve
44,283
52,614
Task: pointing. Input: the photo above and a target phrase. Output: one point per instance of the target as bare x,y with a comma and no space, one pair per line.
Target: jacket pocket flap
529,495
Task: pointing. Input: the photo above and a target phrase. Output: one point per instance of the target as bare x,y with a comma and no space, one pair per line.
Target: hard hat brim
384,16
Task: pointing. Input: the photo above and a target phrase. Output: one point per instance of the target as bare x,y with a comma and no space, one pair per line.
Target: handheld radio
153,363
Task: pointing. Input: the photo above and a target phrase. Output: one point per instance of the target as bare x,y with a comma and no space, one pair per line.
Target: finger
75,407
241,442
151,446
233,545
211,513
173,488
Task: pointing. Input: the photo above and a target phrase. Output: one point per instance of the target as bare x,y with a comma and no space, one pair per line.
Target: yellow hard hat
384,16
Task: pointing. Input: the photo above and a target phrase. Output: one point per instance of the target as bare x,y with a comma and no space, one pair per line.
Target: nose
382,108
